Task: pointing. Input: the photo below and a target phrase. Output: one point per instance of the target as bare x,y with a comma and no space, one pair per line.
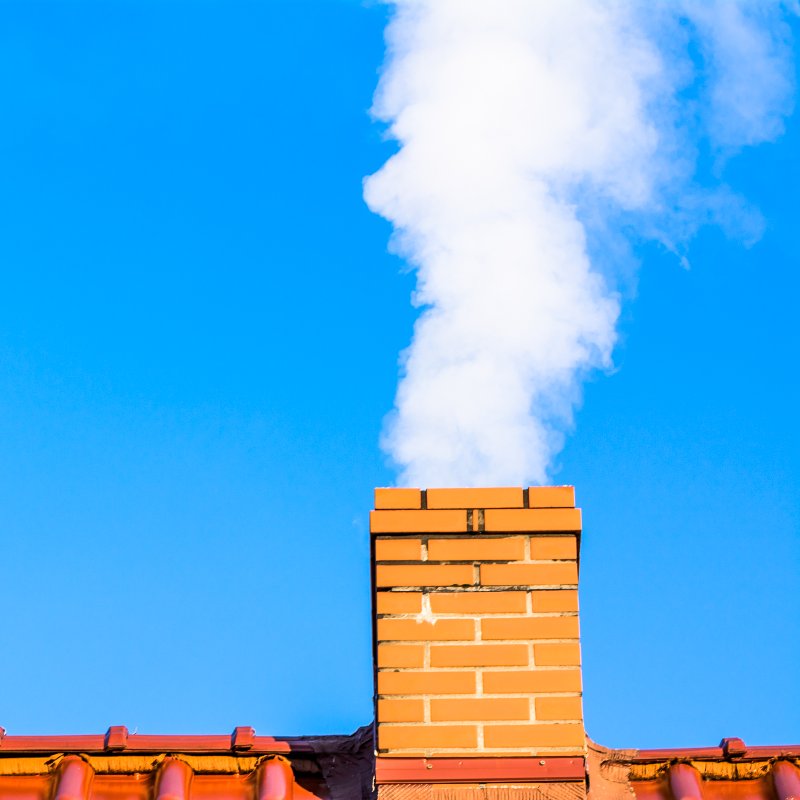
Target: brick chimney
477,655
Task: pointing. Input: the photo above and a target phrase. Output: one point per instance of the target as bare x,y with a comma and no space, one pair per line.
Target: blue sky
199,329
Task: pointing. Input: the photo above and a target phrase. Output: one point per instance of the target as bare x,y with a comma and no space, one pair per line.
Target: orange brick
408,682
545,735
400,737
532,681
398,602
554,547
557,655
424,575
477,549
529,628
401,655
418,521
398,498
555,600
477,602
561,574
479,655
528,574
551,496
398,549
506,497
443,630
478,709
532,519
401,711
558,708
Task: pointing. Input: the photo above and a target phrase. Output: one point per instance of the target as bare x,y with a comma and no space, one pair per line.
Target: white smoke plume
527,130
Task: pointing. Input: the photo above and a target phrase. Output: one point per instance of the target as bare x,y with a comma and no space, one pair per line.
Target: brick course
555,600
401,655
478,602
398,498
445,630
554,547
557,655
418,521
533,519
398,602
551,497
477,548
480,655
510,497
530,628
424,575
410,682
440,737
532,681
558,708
537,736
489,709
401,710
398,550
557,574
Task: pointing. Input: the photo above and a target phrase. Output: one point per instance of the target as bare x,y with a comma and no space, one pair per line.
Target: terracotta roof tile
731,771
241,766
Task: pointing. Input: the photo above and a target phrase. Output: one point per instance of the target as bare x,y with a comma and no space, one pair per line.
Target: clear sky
199,329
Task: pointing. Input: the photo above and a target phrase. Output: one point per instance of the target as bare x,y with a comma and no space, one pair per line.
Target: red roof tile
732,771
122,766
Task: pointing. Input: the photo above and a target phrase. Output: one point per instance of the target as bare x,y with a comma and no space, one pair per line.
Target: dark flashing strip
479,770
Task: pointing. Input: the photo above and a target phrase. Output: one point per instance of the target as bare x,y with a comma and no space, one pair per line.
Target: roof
731,771
118,765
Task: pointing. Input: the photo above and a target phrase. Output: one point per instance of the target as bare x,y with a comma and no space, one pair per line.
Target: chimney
477,654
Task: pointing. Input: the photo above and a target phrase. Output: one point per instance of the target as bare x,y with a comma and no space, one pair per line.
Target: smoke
530,135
